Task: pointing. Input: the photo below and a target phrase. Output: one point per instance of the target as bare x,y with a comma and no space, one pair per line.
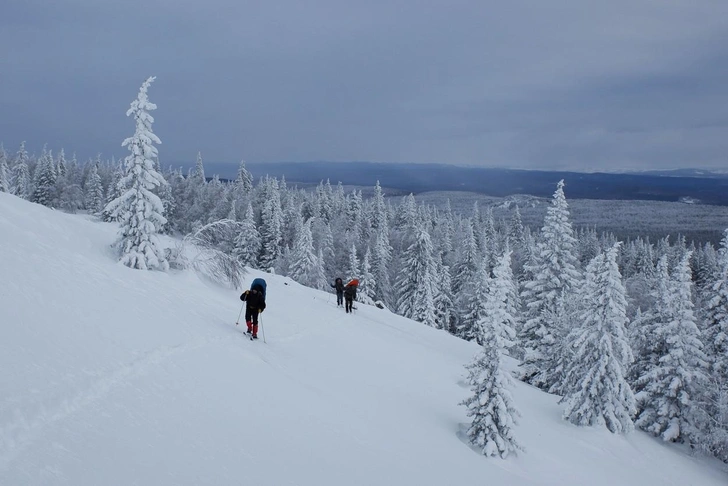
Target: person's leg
249,319
255,323
339,298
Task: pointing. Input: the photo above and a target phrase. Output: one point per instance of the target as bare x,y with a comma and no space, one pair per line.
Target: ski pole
240,314
262,329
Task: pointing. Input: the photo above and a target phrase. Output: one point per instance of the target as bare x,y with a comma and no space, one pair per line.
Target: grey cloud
525,83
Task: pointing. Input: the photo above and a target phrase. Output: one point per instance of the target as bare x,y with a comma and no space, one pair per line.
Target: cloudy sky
577,84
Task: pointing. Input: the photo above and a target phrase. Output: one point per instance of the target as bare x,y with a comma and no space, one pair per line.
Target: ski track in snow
22,432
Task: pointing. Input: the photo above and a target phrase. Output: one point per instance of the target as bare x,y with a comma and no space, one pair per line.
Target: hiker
339,286
350,294
254,304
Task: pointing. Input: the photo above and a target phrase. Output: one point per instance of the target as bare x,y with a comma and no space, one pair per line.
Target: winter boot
250,327
255,331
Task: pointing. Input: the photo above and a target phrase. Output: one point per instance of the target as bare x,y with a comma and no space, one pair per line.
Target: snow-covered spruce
418,280
4,171
597,392
491,405
247,243
367,283
94,191
472,305
353,267
271,227
715,400
554,273
44,180
305,265
670,386
139,211
444,306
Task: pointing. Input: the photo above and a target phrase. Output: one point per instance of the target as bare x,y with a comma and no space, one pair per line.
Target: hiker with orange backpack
350,294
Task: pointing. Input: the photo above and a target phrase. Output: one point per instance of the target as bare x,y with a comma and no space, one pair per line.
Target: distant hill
678,185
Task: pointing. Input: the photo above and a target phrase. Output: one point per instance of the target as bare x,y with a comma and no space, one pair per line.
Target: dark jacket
254,299
338,285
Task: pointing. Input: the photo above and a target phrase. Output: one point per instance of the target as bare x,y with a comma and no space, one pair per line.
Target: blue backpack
259,285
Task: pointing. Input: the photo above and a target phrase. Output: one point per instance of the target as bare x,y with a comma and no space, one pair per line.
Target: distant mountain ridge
698,186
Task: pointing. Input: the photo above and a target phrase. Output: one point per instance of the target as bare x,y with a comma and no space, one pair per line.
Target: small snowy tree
139,210
597,390
491,405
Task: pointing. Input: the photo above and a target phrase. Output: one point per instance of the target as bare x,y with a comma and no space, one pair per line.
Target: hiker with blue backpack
254,304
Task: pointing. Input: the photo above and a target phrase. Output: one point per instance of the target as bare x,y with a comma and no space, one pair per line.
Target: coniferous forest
631,334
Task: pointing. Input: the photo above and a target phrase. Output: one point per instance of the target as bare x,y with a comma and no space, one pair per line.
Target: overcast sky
568,84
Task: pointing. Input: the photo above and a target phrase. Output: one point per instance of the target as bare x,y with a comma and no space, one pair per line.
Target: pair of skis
247,334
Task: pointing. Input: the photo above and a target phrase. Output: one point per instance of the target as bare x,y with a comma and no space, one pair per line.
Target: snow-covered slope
116,376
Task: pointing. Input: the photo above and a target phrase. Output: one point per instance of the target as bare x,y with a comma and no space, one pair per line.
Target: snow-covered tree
169,205
418,280
271,228
247,243
597,388
554,274
113,191
44,180
305,266
61,164
140,211
444,302
353,267
467,264
716,316
21,184
381,258
715,426
199,174
515,229
94,191
669,388
244,179
366,282
473,303
503,299
491,405
648,346
4,172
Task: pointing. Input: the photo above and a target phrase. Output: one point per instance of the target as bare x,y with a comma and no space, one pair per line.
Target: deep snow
118,376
